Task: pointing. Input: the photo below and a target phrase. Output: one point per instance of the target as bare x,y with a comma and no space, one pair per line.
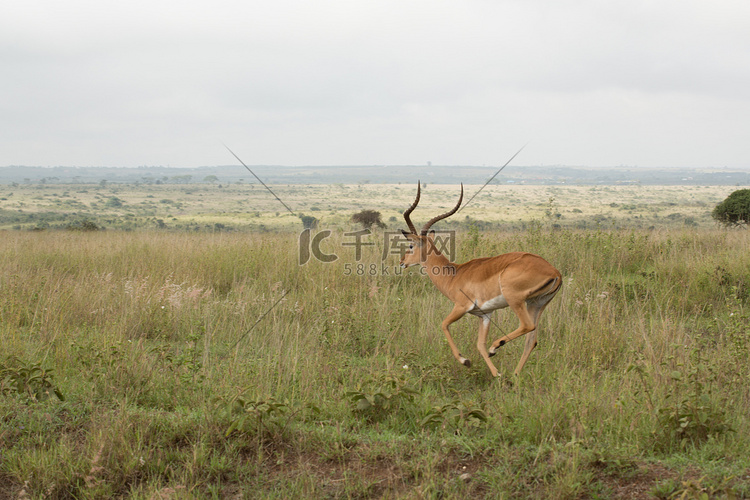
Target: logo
353,244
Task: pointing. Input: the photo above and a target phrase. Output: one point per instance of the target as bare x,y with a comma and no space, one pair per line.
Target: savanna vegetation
194,364
247,207
735,210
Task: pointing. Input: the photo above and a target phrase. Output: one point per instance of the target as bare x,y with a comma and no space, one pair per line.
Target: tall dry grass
153,336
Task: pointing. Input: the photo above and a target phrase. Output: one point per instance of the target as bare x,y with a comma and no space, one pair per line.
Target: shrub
735,210
368,218
83,225
113,202
308,221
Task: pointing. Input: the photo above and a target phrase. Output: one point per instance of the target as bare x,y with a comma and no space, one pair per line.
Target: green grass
345,388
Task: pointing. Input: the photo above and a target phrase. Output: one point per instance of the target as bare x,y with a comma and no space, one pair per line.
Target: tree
368,218
113,202
735,210
308,221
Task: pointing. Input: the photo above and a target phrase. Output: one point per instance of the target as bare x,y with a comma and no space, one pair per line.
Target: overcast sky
360,82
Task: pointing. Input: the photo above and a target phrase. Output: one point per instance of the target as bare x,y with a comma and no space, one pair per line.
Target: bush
308,221
83,225
113,202
735,210
368,218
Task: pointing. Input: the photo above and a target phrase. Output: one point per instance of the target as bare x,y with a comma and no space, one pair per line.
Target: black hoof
467,363
491,353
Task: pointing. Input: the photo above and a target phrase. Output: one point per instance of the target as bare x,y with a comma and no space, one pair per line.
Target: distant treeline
377,174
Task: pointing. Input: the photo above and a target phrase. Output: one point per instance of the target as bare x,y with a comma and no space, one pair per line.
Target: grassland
209,207
203,362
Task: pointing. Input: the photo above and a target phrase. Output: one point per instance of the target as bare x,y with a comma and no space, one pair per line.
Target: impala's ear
431,234
406,235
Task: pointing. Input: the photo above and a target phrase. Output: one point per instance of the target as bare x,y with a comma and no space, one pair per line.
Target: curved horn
409,210
429,224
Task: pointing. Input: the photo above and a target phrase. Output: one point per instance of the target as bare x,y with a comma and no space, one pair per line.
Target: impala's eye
411,246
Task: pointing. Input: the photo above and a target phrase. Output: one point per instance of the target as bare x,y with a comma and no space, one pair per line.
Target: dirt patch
639,483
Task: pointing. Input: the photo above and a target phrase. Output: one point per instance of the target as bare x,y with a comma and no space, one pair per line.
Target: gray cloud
588,83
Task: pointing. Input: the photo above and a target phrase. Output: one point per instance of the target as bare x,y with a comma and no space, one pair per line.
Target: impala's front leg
456,314
484,328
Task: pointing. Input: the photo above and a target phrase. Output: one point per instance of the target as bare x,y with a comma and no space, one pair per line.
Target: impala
522,281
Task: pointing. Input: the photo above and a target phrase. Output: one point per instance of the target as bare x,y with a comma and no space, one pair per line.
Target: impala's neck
440,270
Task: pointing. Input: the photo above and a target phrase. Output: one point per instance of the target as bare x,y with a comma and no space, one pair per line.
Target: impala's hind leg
526,325
535,310
528,313
527,348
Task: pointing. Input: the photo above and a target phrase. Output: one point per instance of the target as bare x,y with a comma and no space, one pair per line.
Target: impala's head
421,244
